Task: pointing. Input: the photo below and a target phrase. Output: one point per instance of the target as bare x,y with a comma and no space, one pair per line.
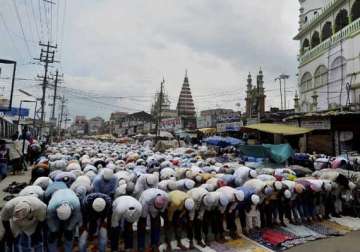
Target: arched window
355,10
315,39
326,31
306,45
337,80
341,20
321,76
306,82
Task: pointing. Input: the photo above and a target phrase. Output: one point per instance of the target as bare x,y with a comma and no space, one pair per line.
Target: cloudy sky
114,53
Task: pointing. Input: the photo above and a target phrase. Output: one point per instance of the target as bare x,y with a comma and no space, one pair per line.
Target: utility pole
47,56
55,97
62,106
159,114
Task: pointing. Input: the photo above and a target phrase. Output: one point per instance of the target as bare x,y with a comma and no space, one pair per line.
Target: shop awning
280,129
208,131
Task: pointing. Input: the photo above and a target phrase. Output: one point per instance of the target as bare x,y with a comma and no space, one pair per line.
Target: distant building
115,121
95,125
80,126
185,106
136,123
166,111
255,96
210,118
329,48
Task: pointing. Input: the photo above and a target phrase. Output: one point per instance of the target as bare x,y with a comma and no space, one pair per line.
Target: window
315,39
306,45
305,19
306,82
321,76
355,10
337,76
326,31
341,20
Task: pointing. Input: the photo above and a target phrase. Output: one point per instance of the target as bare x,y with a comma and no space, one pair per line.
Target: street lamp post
24,130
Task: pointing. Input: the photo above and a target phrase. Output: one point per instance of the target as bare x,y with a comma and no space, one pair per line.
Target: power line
9,33
35,20
22,28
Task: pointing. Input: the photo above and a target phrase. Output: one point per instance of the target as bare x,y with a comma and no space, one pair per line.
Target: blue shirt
248,192
58,198
108,187
53,187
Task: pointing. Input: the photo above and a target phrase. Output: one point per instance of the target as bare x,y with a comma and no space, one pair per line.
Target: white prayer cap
21,210
108,173
189,184
209,200
252,173
352,186
189,204
63,211
239,195
287,194
277,185
255,199
99,204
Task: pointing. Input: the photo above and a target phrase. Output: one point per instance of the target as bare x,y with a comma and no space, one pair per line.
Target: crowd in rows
104,194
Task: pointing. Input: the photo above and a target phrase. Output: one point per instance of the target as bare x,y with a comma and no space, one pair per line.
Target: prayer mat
322,229
245,245
340,228
302,232
350,222
274,237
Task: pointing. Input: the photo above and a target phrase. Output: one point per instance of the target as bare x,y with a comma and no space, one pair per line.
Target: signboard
171,124
229,127
7,79
320,124
229,117
24,112
205,122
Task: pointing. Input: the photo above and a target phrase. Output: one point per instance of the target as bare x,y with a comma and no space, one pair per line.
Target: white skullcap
277,185
255,199
352,186
209,200
107,173
21,210
189,204
327,186
252,173
189,184
99,204
239,195
151,179
287,194
63,211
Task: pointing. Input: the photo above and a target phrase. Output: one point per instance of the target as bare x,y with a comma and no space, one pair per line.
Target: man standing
96,213
22,219
126,211
154,202
63,215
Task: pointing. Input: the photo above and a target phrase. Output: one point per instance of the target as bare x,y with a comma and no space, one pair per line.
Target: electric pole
62,107
55,97
47,57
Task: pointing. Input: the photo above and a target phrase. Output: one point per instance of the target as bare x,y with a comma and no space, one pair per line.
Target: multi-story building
136,123
95,125
209,118
329,57
80,126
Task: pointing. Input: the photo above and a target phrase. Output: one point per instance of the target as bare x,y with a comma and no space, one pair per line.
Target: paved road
347,243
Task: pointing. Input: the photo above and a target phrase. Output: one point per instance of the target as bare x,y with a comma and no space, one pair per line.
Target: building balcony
349,31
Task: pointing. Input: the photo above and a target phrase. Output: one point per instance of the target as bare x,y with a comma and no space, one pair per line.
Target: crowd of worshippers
85,193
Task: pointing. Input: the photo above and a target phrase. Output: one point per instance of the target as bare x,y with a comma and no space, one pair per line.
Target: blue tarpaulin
279,153
223,141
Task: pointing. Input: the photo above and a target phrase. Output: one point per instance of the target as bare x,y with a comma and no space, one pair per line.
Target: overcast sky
123,48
